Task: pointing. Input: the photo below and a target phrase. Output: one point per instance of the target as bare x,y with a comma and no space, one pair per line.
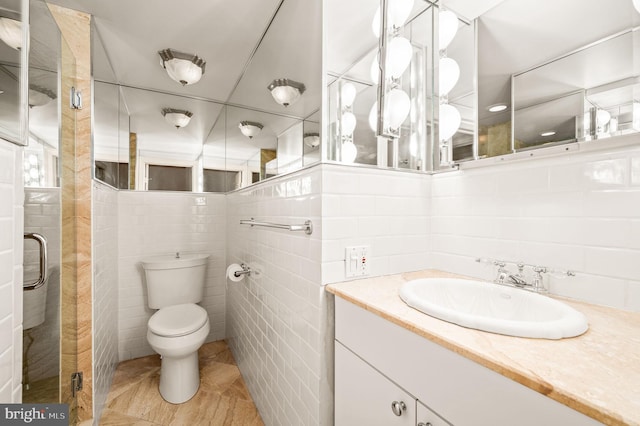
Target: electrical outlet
356,261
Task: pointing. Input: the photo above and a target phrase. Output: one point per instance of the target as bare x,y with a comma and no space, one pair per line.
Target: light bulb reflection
349,152
449,74
449,123
348,94
348,123
448,27
399,11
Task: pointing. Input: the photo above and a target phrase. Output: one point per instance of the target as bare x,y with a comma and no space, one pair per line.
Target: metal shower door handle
42,242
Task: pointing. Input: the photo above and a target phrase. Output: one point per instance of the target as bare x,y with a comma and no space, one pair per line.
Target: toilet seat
178,320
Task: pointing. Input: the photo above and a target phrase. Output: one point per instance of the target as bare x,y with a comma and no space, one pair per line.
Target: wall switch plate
357,261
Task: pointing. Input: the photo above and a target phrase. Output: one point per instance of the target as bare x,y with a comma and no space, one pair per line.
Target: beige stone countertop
597,373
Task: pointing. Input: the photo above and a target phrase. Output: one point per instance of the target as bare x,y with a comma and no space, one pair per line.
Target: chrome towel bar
307,227
42,242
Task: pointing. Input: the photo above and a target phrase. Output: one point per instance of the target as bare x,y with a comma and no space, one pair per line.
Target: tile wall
383,209
11,226
42,215
279,322
154,223
105,291
277,318
578,212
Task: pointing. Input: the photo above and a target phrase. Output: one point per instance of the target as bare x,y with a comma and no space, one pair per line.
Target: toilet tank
172,280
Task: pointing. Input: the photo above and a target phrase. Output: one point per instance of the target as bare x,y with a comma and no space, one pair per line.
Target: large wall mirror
225,131
554,72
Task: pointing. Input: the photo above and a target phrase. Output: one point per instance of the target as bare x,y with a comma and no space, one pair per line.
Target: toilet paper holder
245,271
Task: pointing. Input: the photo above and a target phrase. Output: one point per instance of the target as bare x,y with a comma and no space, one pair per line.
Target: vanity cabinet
378,362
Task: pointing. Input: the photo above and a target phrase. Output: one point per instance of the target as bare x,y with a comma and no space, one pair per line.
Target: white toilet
174,285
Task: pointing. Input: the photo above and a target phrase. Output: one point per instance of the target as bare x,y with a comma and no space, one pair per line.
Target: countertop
597,373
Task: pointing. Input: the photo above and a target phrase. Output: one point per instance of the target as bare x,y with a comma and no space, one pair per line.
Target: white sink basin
494,308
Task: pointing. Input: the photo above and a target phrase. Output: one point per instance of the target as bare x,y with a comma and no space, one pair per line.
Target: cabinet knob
398,407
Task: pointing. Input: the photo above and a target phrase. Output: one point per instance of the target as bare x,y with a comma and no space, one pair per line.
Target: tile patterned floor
223,399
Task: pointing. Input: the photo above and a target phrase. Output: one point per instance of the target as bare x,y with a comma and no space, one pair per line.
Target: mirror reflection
11,34
562,79
238,115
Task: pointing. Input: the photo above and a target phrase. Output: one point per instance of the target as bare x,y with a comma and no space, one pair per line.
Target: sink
494,308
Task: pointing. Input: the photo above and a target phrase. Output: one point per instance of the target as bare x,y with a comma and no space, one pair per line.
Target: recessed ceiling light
497,107
549,133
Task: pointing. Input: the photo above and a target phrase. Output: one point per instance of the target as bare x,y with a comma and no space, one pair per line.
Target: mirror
13,71
353,80
41,167
278,40
561,78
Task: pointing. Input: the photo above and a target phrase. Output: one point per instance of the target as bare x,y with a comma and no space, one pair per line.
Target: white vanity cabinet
378,362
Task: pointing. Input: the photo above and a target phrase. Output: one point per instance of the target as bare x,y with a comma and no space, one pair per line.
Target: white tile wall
386,210
105,291
42,215
278,318
153,223
578,212
11,230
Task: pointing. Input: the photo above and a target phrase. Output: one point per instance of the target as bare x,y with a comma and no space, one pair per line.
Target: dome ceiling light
177,117
11,32
185,68
312,140
497,107
39,96
286,92
250,128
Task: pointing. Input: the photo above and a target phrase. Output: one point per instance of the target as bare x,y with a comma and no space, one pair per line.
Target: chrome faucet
518,279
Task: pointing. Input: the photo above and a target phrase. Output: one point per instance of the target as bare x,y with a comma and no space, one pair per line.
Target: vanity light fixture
177,117
11,32
312,140
185,68
250,128
497,107
548,133
39,96
286,92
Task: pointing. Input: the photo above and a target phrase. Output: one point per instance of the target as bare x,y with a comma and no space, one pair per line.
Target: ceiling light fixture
548,133
250,128
497,107
11,32
185,68
177,117
312,140
39,96
286,92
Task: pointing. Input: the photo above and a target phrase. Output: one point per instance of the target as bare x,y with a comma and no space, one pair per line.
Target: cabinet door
426,417
363,396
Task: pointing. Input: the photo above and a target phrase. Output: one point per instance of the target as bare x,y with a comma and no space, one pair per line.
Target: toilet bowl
176,333
180,326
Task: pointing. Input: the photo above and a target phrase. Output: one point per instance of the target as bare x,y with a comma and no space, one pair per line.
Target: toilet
177,330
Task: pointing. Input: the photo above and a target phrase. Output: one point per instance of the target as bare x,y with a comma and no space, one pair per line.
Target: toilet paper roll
231,270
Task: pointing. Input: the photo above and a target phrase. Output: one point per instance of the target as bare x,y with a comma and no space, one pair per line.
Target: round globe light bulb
375,70
449,74
398,56
602,117
397,108
636,4
349,152
348,123
373,117
399,11
450,120
348,94
448,27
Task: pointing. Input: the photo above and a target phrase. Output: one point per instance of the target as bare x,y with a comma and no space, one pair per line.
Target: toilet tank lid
166,261
178,320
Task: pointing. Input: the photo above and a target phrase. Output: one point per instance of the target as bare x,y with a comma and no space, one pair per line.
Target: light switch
356,261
